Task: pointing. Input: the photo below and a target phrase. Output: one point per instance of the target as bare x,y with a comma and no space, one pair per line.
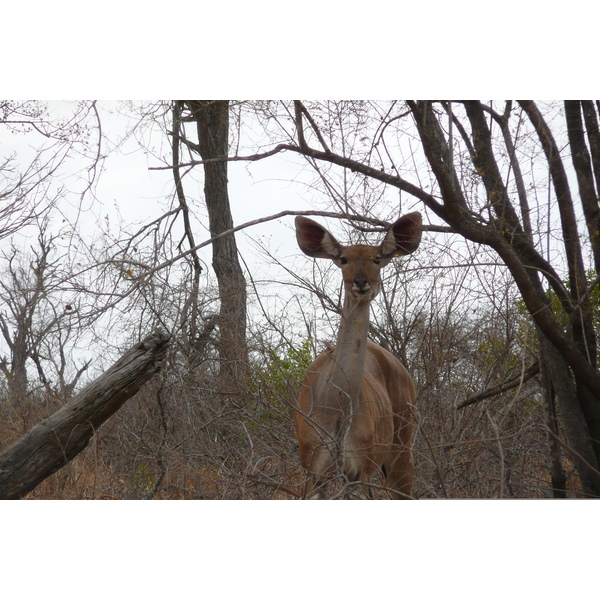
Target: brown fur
355,408
381,433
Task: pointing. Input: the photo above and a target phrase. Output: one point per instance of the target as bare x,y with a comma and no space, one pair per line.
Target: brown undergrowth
177,439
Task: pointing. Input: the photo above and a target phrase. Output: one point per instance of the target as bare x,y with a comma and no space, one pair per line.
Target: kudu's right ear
315,241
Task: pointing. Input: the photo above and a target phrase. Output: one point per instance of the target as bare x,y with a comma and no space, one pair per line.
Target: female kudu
355,406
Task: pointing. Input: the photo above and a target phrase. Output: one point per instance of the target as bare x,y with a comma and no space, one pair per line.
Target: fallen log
52,443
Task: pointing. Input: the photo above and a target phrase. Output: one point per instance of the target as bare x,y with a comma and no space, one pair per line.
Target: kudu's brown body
355,407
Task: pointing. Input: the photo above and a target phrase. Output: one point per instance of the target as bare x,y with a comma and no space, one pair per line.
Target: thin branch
299,127
500,451
251,158
519,380
354,165
304,110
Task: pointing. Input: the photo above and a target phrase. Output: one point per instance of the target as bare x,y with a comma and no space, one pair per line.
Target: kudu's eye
344,261
376,261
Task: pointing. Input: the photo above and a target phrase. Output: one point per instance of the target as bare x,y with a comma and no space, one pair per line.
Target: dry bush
179,438
476,453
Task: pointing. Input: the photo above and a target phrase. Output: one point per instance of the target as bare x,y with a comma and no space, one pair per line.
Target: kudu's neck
351,347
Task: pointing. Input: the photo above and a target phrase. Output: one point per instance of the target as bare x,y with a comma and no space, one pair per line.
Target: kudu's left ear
403,237
315,240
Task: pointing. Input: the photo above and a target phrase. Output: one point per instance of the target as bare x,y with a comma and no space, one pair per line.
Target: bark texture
212,122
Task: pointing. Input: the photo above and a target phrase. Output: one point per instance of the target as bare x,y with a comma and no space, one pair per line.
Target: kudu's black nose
360,282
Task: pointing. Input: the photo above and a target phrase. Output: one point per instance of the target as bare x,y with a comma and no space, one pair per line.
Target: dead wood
52,443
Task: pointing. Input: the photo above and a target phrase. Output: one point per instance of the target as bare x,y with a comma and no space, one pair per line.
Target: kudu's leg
400,474
320,470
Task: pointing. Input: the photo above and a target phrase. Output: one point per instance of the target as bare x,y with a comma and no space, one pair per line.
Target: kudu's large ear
315,240
403,237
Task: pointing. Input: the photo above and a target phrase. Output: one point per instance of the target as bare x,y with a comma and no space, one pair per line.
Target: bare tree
38,323
211,118
29,177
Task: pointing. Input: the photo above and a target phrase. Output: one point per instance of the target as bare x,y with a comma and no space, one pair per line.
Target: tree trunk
54,442
17,384
212,120
557,473
572,417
